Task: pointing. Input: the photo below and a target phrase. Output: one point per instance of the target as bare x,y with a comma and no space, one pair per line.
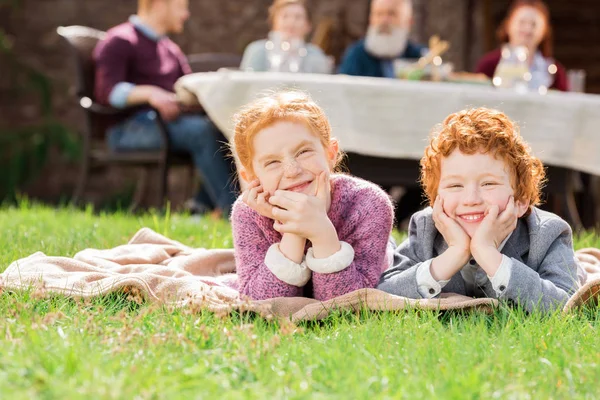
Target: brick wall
228,25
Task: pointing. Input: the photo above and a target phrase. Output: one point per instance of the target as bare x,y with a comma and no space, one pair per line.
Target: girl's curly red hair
487,131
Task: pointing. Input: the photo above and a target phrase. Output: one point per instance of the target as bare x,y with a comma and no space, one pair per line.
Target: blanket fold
171,273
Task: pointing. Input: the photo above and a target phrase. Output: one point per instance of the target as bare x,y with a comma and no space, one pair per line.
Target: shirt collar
504,241
145,29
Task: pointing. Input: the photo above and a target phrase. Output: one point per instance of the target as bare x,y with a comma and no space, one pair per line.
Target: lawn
111,348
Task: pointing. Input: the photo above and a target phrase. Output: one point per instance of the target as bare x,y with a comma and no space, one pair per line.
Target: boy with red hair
483,235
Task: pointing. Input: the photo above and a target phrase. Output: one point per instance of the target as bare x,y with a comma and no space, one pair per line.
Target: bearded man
385,41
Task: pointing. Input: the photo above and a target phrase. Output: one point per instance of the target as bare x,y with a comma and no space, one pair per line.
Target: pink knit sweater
362,214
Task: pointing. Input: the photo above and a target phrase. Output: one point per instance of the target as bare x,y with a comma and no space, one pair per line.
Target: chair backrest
207,62
82,40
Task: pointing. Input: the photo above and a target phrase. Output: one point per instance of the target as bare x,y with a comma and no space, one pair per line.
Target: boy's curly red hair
487,131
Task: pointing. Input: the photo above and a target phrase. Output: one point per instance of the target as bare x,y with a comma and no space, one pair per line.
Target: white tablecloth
393,118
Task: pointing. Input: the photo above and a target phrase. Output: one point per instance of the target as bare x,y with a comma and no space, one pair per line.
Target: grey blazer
544,270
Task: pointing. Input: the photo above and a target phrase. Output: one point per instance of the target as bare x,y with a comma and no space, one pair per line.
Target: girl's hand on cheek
257,199
450,229
302,214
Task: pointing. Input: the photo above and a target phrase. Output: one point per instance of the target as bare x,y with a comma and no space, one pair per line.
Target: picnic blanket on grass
168,272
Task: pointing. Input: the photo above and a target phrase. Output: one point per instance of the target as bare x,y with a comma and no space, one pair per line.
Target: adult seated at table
137,64
527,26
285,49
386,40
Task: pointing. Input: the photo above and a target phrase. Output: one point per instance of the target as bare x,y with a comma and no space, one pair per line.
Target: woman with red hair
527,25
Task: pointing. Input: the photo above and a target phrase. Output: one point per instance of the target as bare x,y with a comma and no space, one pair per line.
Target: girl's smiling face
471,183
288,156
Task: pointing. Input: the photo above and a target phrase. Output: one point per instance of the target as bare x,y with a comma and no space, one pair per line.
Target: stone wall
215,26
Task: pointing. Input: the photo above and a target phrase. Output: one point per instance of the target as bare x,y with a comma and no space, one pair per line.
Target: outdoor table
384,124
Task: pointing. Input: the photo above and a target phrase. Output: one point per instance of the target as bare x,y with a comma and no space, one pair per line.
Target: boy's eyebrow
490,175
457,176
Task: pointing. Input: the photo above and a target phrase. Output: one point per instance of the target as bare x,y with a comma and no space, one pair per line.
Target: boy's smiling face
471,183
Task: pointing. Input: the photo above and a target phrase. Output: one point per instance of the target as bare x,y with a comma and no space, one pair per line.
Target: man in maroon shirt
137,64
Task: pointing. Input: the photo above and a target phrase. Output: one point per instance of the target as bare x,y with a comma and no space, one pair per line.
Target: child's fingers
292,196
245,196
283,227
509,216
492,213
254,193
250,196
323,187
281,202
262,202
438,211
282,215
509,211
262,198
437,205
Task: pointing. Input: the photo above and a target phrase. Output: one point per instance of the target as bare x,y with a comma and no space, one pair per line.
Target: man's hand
165,102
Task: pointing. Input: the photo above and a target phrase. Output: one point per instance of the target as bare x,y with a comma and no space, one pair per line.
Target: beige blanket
165,271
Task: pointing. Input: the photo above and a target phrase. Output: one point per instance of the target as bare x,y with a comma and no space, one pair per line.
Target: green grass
113,348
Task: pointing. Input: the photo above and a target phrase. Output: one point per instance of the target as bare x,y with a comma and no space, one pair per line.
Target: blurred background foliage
24,149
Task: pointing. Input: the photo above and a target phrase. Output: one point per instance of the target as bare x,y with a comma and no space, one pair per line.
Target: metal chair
96,154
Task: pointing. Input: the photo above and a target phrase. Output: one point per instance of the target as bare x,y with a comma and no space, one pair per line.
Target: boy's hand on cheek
453,233
257,199
494,228
444,266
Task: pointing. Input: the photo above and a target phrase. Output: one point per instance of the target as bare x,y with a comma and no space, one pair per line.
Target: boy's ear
333,151
522,207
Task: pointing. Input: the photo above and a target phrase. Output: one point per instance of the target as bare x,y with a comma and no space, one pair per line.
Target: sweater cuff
334,263
285,269
427,286
502,276
119,93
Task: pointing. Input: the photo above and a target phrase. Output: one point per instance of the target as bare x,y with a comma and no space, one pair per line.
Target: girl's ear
245,175
332,152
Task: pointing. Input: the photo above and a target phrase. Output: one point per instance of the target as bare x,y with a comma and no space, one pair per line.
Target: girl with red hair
527,25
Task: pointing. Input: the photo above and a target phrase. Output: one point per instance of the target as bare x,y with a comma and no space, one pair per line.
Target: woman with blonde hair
285,50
